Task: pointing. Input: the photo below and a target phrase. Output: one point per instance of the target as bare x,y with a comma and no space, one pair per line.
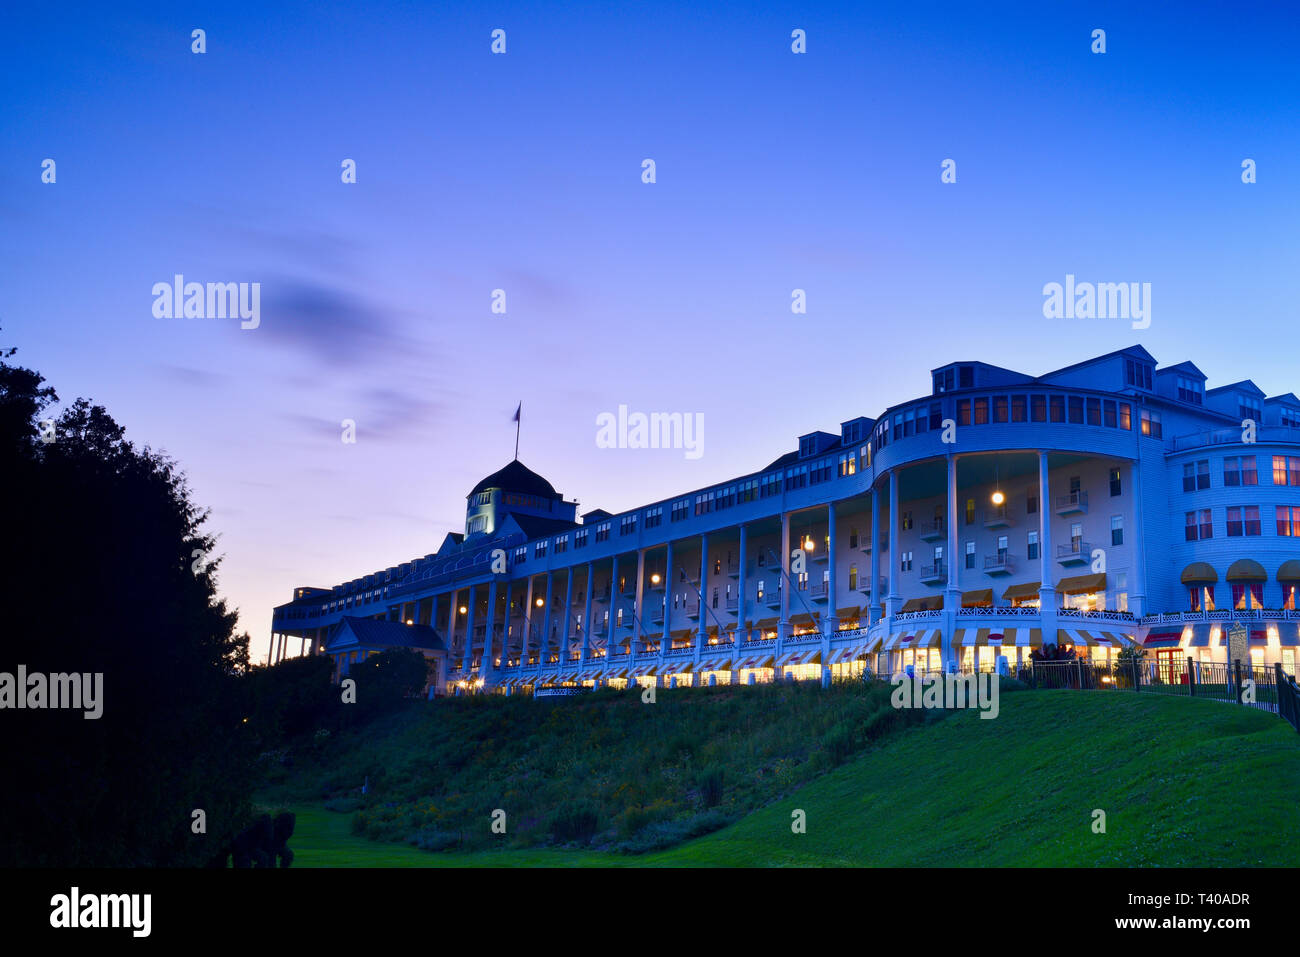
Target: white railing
918,615
1124,616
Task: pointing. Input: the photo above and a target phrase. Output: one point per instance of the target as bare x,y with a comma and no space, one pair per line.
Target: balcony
997,517
1073,504
1074,553
1000,563
733,569
934,574
693,610
933,531
771,599
732,605
817,591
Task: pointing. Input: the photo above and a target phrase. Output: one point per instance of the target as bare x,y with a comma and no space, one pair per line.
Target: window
907,521
1031,546
981,412
1240,470
726,497
770,484
1002,548
1076,535
906,564
848,465
704,502
1151,424
1031,502
1288,520
1125,416
1056,408
521,553
1108,412
943,381
1038,408
1137,374
970,511
1117,530
747,492
602,532
580,538
1114,483
539,550
853,537
963,411
1000,409
1076,410
1286,470
970,554
1243,520
1019,408
1094,411
1290,417
1196,475
680,510
627,525
965,377
1247,596
853,578
1248,408
1198,525
1189,390
654,517
561,544
796,477
822,471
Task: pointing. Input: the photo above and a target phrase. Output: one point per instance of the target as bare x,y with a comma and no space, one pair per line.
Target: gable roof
1245,385
376,632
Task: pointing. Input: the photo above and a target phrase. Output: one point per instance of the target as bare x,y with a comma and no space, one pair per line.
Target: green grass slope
1182,783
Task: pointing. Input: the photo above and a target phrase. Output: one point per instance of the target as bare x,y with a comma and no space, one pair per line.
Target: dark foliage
99,575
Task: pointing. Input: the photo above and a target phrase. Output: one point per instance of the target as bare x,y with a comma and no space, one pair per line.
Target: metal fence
1257,686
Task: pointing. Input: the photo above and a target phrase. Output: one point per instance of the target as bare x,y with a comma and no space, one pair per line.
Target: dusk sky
522,172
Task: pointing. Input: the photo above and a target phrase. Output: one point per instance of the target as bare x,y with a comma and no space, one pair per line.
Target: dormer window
1137,374
1189,390
1248,407
807,447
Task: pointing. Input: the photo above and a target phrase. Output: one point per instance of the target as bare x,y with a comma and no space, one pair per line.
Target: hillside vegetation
1182,782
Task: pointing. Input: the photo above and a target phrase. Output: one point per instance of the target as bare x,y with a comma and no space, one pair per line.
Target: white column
704,596
1138,592
546,622
467,661
891,602
874,610
566,618
1046,589
783,579
666,641
832,610
741,606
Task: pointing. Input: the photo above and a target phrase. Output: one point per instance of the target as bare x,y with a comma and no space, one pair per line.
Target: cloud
327,324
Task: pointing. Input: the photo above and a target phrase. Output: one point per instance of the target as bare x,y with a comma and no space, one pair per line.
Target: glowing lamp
540,602
462,609
654,579
998,498
808,544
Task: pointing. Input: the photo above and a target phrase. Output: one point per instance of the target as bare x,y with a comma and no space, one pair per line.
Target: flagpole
518,423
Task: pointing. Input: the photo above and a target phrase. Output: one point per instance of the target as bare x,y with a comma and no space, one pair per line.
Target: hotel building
1107,503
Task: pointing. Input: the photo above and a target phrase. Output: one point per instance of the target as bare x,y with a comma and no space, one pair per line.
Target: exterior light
998,498
808,544
462,609
654,579
540,602
409,622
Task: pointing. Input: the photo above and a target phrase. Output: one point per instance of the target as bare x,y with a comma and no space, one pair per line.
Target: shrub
575,821
710,785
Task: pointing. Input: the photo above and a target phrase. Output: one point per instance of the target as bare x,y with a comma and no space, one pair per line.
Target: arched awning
1289,572
979,598
1199,573
1246,570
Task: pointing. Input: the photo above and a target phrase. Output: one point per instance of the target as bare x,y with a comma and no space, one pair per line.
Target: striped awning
848,653
1163,639
926,603
681,666
913,638
715,664
756,661
993,637
806,656
617,671
644,671
1092,639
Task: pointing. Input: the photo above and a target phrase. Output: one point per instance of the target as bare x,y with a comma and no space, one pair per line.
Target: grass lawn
1182,782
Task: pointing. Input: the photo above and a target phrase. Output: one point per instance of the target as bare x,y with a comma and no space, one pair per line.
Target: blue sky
775,171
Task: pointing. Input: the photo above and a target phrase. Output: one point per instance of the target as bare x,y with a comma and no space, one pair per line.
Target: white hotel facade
1106,503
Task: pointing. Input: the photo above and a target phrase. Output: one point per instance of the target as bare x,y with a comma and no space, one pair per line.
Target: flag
517,411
